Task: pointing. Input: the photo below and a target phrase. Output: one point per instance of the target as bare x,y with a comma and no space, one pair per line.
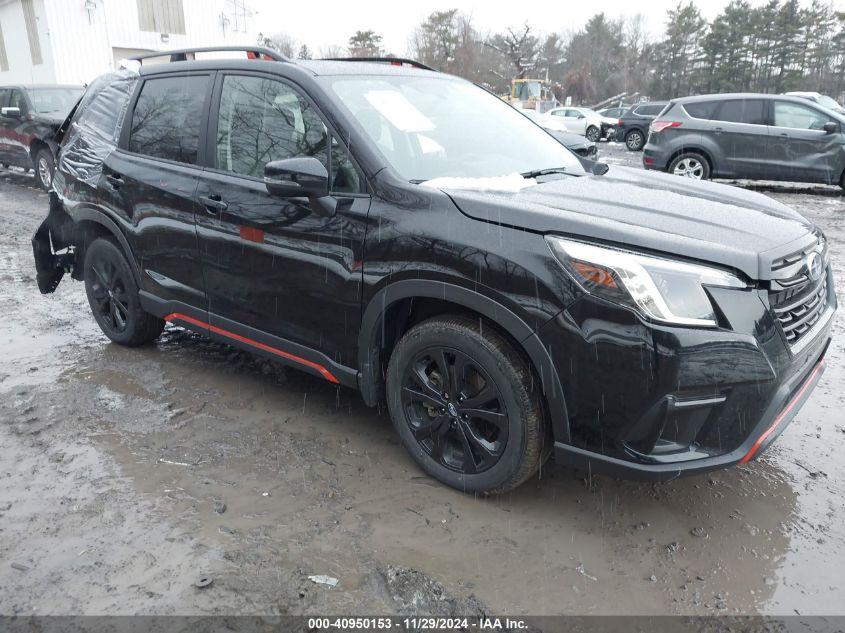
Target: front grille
798,316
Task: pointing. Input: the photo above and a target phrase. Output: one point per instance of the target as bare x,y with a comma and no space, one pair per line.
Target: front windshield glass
431,127
54,100
827,102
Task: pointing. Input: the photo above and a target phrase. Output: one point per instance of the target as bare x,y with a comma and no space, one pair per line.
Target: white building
73,41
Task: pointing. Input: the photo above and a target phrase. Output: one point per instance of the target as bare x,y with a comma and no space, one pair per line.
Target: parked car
29,117
575,142
632,127
506,298
581,121
753,136
823,100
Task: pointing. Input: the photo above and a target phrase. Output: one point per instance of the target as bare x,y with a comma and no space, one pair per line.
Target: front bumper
655,402
789,400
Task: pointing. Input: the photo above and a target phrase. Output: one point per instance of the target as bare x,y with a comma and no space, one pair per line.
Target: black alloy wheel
109,292
113,296
467,405
455,410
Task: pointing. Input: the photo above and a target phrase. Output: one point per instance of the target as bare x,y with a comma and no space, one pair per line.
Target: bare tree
279,42
519,47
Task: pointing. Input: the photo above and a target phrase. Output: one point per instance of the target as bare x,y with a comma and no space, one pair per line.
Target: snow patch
512,183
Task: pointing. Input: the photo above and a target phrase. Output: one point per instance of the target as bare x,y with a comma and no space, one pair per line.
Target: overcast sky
320,23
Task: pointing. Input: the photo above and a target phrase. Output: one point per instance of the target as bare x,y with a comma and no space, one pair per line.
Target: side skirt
250,339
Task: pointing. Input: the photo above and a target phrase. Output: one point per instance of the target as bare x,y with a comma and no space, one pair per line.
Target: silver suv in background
749,136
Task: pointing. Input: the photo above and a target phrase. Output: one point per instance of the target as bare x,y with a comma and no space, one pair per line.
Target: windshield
54,100
827,102
431,127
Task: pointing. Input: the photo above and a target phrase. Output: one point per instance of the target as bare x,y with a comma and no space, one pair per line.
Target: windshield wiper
543,172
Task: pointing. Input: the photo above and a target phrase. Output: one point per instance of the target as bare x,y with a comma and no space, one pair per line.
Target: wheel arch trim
371,331
87,214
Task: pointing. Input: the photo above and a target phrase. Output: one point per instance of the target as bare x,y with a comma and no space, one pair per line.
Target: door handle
115,180
718,130
214,203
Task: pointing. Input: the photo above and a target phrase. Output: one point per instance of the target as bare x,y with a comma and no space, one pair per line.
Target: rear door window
797,116
5,93
168,117
751,111
649,110
702,109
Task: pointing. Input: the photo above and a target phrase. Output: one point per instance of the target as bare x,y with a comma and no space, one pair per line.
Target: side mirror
301,178
11,113
830,127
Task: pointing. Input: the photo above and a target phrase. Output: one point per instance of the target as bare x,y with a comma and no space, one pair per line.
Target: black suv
632,128
505,297
29,118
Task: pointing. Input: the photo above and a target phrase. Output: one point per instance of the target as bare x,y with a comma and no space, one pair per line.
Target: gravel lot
125,475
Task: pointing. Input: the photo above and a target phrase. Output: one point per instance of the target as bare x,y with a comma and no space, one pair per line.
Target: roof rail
184,54
393,61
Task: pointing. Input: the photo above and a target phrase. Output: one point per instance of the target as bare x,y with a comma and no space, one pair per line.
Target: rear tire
113,296
593,134
635,140
45,167
480,428
690,165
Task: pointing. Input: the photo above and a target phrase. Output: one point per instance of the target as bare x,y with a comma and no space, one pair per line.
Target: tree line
778,46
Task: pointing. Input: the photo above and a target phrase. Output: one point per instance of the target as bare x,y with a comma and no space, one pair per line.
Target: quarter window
794,115
742,111
701,110
167,118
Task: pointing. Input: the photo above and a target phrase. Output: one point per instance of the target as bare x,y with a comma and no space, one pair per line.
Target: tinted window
702,109
19,101
742,111
649,110
262,120
167,118
4,97
798,116
56,101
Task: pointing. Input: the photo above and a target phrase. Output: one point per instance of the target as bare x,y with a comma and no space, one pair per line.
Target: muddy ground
125,475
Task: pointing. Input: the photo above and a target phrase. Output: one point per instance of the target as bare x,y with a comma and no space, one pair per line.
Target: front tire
635,140
113,296
465,405
690,165
45,167
593,134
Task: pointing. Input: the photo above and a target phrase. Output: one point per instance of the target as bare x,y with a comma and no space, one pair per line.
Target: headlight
660,289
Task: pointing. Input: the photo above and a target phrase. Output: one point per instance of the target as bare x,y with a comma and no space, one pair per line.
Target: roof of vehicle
806,95
316,67
735,95
43,86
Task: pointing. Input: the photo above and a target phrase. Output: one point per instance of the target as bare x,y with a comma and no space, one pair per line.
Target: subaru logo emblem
815,266
452,409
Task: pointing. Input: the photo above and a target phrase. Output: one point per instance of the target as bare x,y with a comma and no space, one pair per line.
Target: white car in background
582,121
823,100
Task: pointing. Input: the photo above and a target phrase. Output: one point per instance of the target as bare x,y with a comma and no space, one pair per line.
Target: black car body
749,136
29,118
370,278
632,128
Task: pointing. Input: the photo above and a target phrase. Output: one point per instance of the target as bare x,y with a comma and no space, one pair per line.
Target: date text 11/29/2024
417,624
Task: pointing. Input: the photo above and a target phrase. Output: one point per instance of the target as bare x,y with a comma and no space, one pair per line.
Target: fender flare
372,330
87,214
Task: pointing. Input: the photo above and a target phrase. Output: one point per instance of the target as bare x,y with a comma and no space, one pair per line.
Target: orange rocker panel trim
325,373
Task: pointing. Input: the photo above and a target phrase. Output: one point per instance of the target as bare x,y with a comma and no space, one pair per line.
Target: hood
653,211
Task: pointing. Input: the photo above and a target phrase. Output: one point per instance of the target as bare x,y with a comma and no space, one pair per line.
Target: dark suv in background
753,136
29,117
632,128
505,297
